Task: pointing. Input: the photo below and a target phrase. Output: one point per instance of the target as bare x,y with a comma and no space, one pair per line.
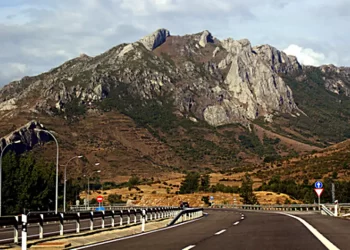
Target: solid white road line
189,247
135,235
329,245
220,232
236,223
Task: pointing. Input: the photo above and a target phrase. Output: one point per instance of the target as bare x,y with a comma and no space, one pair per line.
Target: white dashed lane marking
220,232
236,223
189,247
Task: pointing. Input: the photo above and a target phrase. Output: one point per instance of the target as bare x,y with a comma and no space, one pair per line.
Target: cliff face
28,135
220,82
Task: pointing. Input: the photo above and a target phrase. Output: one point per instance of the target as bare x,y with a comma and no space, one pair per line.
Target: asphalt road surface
229,229
7,234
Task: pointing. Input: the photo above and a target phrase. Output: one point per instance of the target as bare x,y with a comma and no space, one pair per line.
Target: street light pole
65,181
88,176
2,152
57,155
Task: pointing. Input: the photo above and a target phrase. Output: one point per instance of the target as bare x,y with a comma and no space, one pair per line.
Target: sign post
319,189
99,200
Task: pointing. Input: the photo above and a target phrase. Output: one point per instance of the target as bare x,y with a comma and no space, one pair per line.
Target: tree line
195,182
28,184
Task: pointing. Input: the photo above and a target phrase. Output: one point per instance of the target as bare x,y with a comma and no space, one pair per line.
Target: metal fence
343,208
61,218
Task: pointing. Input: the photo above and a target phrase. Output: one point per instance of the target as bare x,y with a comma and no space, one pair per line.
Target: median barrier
141,213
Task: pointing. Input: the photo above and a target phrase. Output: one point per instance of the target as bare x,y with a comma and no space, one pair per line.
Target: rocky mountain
221,82
209,101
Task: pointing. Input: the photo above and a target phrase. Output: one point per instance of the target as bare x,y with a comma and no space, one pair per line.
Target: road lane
336,230
264,231
180,237
228,229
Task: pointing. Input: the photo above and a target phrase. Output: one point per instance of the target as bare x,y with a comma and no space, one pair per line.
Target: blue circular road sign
318,184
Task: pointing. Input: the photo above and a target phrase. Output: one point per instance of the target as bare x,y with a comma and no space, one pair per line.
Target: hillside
166,104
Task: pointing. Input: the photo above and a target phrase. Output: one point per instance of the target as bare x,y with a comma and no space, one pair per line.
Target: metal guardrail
187,214
109,207
343,208
326,210
40,218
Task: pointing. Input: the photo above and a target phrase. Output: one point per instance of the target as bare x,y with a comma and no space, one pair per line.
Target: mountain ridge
201,102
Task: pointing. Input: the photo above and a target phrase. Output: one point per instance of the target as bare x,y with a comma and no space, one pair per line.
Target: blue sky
37,35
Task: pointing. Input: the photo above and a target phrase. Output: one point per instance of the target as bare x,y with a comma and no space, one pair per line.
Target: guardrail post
41,226
135,216
112,218
103,219
91,220
24,231
121,218
15,228
128,217
78,222
151,214
61,215
143,220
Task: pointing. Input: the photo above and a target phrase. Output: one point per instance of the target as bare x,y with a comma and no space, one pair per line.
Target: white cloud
13,71
306,56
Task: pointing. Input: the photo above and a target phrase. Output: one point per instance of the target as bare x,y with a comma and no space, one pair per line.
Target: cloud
41,34
13,71
306,56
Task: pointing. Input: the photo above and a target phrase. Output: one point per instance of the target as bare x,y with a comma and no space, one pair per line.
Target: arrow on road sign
318,184
318,191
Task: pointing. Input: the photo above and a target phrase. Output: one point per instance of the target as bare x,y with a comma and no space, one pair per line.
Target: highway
232,229
7,234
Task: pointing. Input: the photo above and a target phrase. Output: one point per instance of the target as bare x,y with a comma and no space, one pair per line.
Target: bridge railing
343,208
108,207
149,213
187,214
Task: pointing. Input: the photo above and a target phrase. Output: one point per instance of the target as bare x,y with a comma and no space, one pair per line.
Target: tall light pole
88,176
65,181
2,152
57,155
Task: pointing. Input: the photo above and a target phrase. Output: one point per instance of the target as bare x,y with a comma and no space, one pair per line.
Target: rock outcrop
155,39
205,38
28,135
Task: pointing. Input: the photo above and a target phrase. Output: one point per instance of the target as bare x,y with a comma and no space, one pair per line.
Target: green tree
27,184
133,181
204,182
190,184
114,198
246,190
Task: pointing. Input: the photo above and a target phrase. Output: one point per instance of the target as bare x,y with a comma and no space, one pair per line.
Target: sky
37,35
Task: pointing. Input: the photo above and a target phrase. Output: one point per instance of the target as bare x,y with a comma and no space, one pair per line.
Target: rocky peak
236,46
205,38
155,39
278,60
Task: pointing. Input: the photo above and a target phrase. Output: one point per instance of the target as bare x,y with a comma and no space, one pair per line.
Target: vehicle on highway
184,204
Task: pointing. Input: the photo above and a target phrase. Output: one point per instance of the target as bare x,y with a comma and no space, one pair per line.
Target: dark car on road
184,204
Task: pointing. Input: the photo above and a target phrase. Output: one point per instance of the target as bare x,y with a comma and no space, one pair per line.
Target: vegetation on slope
328,114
